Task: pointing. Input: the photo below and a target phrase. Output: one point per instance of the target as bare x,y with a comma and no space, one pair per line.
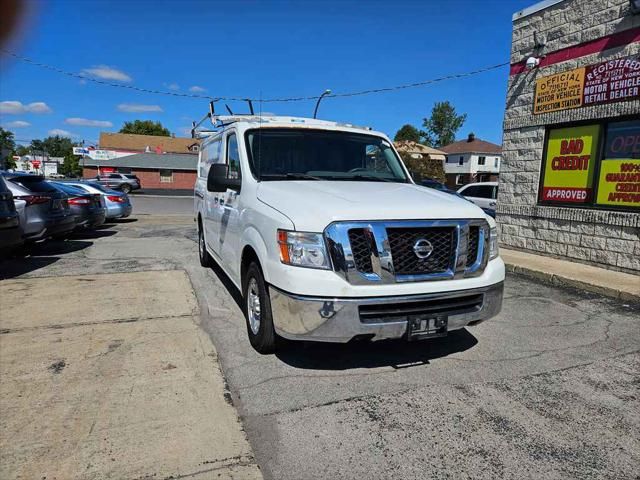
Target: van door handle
198,194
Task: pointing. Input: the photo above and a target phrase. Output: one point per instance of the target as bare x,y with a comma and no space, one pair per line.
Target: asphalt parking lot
549,389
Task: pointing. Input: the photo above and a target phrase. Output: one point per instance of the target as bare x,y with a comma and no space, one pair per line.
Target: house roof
415,147
472,145
130,141
171,161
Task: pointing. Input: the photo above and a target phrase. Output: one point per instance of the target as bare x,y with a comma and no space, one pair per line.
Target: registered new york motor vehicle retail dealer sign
605,82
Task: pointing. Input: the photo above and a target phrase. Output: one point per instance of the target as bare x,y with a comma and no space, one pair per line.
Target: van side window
233,157
209,155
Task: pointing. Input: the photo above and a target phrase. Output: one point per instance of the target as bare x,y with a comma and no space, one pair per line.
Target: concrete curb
559,280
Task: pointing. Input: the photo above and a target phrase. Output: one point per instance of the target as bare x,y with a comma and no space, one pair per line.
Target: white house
471,160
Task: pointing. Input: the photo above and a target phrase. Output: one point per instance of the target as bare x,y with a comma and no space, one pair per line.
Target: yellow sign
619,183
569,161
559,92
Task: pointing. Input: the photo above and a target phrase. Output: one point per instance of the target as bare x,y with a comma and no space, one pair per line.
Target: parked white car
326,235
483,194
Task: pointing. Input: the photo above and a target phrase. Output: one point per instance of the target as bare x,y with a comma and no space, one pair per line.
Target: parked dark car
87,208
431,183
10,231
125,182
46,212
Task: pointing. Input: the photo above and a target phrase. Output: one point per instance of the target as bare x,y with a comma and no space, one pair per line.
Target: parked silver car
46,212
116,203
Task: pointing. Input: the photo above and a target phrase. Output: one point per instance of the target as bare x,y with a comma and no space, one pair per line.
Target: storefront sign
605,82
559,91
569,164
619,179
612,81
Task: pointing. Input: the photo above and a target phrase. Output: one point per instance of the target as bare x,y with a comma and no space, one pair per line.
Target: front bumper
298,317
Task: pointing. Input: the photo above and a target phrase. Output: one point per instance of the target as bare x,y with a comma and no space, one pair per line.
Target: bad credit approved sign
569,164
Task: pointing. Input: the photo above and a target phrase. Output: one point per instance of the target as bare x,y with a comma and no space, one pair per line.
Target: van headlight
303,249
493,243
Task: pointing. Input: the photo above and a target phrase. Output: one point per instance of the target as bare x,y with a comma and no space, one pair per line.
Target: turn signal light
116,198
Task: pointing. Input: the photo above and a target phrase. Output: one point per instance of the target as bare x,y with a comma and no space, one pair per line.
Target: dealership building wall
566,35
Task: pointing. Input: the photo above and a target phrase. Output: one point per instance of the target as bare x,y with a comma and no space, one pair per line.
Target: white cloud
197,89
186,131
172,86
17,124
85,122
14,107
107,73
138,107
61,133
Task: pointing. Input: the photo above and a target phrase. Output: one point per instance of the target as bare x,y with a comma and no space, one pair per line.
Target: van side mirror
217,180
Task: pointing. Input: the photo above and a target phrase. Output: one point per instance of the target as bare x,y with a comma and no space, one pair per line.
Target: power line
266,100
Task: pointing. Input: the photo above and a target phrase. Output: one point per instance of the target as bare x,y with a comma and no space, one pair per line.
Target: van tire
205,259
263,338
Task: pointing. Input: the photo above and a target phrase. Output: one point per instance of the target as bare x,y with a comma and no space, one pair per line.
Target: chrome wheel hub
253,306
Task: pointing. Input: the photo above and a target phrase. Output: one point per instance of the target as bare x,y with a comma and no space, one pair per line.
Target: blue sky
258,49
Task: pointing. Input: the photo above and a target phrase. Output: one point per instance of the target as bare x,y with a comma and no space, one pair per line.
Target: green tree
7,147
422,168
22,150
58,146
408,132
441,127
145,127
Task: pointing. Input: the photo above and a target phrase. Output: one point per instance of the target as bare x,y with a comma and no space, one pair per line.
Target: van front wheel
257,311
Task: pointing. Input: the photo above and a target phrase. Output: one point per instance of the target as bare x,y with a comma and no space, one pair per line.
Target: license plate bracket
427,326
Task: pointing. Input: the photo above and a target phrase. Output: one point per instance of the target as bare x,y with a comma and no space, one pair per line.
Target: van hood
313,205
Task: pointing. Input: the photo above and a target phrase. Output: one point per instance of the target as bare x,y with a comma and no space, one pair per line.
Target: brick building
570,176
168,171
471,160
167,163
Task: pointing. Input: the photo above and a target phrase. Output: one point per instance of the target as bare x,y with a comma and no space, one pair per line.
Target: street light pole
324,94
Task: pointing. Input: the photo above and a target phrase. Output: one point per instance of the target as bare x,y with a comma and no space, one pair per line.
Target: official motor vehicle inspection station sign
605,82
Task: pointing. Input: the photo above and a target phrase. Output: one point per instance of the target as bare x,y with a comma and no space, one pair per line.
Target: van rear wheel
257,311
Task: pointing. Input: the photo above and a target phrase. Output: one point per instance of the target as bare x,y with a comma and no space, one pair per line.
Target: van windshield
297,154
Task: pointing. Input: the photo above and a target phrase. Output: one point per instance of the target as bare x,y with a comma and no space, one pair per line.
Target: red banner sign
612,81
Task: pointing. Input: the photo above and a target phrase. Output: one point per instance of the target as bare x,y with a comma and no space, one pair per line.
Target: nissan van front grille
408,251
407,262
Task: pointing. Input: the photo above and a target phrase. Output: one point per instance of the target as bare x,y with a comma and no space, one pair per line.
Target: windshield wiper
371,177
292,176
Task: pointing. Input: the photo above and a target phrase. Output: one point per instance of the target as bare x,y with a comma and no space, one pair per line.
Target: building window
482,160
194,148
124,170
496,162
166,176
581,168
461,160
459,180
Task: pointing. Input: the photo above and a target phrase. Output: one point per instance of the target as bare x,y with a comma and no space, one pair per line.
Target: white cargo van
324,232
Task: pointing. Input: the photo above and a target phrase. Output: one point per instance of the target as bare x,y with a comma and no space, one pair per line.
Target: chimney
472,137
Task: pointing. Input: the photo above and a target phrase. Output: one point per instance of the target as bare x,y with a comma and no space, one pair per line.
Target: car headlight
493,243
303,249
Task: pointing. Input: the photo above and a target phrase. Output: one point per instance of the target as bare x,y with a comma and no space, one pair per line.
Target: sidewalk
623,286
110,376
